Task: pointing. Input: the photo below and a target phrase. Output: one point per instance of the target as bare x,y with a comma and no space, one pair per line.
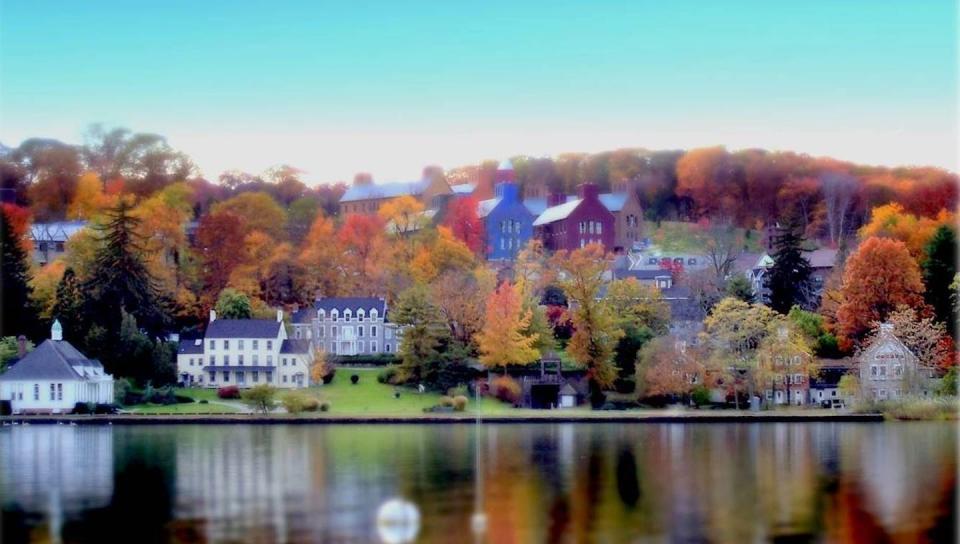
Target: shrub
911,408
382,359
229,392
310,404
446,401
183,399
328,376
388,375
163,395
204,401
460,390
259,398
507,389
700,395
6,408
293,401
122,388
83,408
354,379
325,406
459,403
105,409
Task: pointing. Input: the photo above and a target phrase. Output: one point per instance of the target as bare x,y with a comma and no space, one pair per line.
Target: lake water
836,482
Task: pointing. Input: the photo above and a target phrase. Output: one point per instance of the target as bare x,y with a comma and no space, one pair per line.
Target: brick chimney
556,199
588,191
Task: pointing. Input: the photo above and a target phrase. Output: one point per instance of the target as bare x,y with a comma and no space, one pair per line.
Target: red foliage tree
219,243
466,225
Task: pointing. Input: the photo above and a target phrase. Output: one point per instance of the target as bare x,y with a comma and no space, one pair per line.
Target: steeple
56,331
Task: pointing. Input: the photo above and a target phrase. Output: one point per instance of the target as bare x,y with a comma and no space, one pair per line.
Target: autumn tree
668,367
502,340
44,284
258,210
89,198
362,239
782,355
219,243
461,298
596,333
466,225
402,215
319,259
939,269
879,277
892,221
707,176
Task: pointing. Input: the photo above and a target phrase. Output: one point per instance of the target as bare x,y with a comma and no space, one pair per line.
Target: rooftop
243,328
384,190
557,213
52,360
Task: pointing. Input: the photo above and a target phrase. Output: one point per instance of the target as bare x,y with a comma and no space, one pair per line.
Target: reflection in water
542,483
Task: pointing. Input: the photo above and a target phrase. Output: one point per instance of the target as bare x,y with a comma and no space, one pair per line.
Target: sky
336,88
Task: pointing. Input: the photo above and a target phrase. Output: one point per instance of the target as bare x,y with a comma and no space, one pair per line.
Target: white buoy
398,521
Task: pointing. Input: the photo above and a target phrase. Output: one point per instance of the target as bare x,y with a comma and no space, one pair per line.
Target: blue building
509,224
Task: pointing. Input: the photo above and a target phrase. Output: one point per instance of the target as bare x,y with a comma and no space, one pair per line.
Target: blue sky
387,87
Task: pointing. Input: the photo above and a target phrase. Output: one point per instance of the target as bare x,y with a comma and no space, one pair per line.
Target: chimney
588,191
213,315
556,199
280,316
21,346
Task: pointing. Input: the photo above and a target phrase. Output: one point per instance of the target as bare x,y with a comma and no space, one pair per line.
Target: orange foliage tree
502,340
220,246
363,240
879,277
893,221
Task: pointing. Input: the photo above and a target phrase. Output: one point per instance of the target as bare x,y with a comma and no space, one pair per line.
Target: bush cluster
459,403
296,402
388,375
506,389
228,392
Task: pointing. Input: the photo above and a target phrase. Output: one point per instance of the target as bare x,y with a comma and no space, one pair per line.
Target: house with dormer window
347,326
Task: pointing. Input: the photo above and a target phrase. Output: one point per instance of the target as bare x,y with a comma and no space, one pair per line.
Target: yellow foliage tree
502,340
89,198
892,221
319,259
44,284
403,215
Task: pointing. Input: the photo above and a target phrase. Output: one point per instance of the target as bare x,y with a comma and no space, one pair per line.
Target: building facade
54,377
627,212
508,223
347,326
576,223
366,197
50,239
889,370
244,353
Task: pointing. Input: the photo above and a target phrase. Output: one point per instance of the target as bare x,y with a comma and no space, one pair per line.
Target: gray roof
537,205
190,346
243,328
613,201
295,346
60,231
351,303
369,191
557,213
52,360
642,275
568,389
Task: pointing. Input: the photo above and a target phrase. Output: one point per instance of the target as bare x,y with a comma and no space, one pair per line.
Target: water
836,482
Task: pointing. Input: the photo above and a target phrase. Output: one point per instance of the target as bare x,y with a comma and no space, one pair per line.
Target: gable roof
822,258
60,231
613,201
384,190
51,360
295,346
191,346
243,328
557,213
538,204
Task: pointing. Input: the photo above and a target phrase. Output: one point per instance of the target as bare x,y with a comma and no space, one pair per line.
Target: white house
244,353
53,378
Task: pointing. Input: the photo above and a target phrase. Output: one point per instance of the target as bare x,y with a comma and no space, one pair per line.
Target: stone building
889,370
347,326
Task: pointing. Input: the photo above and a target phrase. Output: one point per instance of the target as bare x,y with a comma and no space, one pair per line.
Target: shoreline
247,419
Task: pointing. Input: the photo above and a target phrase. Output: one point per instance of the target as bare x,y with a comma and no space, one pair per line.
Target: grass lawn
369,397
681,237
182,408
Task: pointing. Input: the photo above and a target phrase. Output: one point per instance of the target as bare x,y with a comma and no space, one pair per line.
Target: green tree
68,307
738,286
18,312
232,304
811,325
259,398
10,349
790,273
939,269
423,334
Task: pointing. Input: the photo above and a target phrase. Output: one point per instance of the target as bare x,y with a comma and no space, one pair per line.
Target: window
256,359
321,315
269,376
297,332
599,227
239,344
691,261
269,344
334,316
321,331
333,331
226,344
284,378
269,360
373,347
283,361
226,375
240,360
241,377
226,360
256,344
333,347
373,331
36,391
52,392
347,315
59,391
213,344
213,376
373,314
359,347
873,371
386,348
360,315
256,376
191,361
898,370
652,260
360,331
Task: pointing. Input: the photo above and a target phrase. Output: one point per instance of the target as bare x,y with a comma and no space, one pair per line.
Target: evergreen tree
790,274
119,280
68,307
939,269
19,314
739,287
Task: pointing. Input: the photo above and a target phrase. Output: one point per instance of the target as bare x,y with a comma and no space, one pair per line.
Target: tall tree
466,225
879,277
423,335
503,340
939,269
69,306
790,273
319,260
18,311
220,245
596,333
232,304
